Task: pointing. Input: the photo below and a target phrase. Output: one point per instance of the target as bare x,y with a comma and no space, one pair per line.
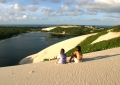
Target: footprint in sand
32,71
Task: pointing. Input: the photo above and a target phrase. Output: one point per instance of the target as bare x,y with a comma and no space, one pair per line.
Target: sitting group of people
75,57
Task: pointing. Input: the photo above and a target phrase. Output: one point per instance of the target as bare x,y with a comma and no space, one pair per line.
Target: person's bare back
77,55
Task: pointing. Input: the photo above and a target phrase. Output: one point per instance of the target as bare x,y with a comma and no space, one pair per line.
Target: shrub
116,29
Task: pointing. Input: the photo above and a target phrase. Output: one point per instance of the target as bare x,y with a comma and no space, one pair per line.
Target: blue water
14,49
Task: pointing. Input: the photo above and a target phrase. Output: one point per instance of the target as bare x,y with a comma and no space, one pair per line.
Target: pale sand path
98,68
107,36
53,50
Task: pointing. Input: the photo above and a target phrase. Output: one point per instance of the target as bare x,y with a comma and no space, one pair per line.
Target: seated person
61,58
77,55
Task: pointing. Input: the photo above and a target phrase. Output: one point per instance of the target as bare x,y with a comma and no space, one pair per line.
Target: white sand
68,26
107,36
48,29
98,68
54,50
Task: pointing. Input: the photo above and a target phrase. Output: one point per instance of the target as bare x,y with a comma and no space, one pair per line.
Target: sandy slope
107,36
54,50
97,68
50,28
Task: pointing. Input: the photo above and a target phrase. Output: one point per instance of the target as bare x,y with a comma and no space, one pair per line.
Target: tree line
7,32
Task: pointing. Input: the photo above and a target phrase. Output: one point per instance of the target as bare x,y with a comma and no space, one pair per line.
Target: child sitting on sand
61,58
77,55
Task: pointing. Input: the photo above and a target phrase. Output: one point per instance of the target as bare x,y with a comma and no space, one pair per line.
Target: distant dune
50,28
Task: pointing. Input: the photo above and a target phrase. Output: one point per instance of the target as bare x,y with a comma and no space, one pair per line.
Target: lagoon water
14,49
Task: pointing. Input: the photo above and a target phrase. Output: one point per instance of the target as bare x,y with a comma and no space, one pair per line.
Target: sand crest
97,68
107,36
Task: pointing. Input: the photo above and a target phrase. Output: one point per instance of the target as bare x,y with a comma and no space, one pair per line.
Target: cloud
34,18
100,20
47,10
64,8
32,8
3,1
113,16
25,8
69,11
9,13
6,18
0,17
25,16
40,1
68,2
18,7
97,6
35,1
55,1
91,13
82,2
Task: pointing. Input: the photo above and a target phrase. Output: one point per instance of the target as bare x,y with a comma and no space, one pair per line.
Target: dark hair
62,51
78,48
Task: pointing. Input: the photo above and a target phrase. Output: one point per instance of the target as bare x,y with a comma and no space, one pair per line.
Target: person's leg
72,56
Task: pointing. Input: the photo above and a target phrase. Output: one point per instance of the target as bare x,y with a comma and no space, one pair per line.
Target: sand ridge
97,68
53,50
50,28
107,36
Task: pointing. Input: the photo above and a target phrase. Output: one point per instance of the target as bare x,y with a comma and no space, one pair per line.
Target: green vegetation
86,44
115,42
116,29
46,59
57,35
102,45
7,32
80,30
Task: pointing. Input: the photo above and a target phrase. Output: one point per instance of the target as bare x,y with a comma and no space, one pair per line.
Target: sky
79,12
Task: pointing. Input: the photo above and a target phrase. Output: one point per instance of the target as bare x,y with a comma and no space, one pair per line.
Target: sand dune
54,50
50,28
97,68
107,36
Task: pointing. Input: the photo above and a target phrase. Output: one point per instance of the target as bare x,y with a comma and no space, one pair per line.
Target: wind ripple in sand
97,68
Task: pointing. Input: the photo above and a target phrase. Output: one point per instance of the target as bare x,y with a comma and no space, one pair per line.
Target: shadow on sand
99,57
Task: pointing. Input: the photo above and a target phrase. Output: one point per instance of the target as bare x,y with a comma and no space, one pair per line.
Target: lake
14,49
